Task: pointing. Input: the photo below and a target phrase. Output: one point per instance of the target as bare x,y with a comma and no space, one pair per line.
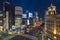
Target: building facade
52,24
18,16
9,15
1,21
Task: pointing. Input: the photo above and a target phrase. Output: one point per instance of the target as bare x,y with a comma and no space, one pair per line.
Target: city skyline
31,19
34,5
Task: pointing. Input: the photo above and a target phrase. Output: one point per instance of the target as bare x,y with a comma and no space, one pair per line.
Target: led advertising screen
30,14
24,15
18,10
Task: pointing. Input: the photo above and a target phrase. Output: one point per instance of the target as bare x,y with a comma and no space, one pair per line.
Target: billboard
24,15
18,10
17,22
30,14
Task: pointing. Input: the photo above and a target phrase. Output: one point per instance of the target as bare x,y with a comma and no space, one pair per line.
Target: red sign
38,25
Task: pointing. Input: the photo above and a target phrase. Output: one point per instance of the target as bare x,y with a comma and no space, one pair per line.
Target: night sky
34,5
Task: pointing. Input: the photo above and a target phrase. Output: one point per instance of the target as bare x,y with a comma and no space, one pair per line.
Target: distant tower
12,16
36,16
30,18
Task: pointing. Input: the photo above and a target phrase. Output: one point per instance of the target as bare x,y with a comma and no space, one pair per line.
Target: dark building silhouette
11,15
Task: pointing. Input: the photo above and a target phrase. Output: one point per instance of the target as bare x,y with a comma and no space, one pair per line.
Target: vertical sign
18,10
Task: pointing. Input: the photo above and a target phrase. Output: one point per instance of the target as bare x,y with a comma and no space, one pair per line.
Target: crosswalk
9,37
23,35
30,36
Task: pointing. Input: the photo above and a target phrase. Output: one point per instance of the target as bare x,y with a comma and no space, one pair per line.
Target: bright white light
53,8
49,9
13,27
24,15
28,22
30,14
49,39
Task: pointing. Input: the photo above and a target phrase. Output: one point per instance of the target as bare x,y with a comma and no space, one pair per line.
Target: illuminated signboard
24,15
30,14
18,10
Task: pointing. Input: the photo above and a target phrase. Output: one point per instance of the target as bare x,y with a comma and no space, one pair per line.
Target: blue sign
24,15
30,14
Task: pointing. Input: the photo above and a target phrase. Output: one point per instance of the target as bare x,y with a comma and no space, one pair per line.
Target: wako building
52,24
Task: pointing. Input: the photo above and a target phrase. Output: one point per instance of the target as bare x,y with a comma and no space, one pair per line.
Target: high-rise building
8,15
6,6
36,18
6,20
18,16
24,19
1,21
30,17
11,16
52,23
18,22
